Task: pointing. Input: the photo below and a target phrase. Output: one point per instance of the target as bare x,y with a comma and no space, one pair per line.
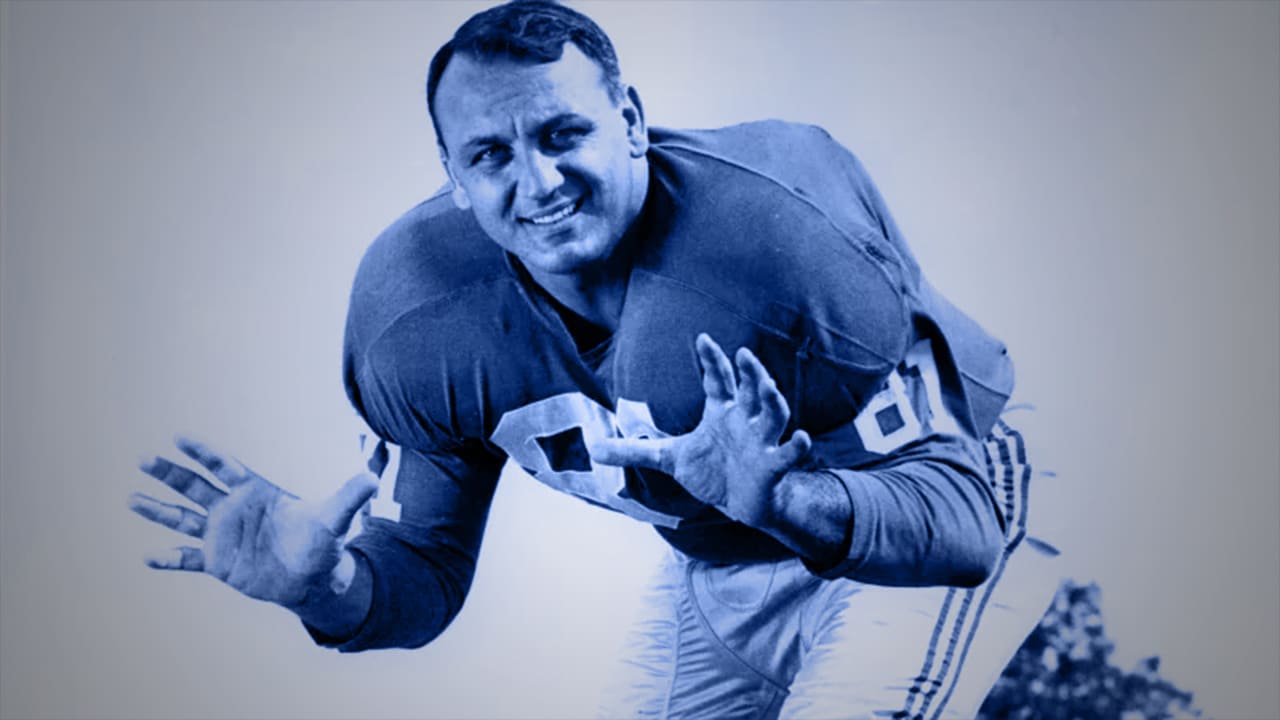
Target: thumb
338,511
793,451
653,453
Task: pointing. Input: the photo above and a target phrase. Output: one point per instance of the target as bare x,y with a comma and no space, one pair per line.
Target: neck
595,293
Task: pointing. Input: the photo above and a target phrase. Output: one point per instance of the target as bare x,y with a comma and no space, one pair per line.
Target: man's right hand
259,539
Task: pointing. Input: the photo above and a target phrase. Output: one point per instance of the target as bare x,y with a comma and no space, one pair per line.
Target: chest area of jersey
647,383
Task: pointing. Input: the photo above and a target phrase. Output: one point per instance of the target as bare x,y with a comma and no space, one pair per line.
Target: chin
567,264
574,258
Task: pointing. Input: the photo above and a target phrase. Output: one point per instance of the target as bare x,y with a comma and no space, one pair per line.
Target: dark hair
526,30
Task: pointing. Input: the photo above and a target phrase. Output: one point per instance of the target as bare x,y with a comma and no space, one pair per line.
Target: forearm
339,609
411,583
926,520
926,524
812,514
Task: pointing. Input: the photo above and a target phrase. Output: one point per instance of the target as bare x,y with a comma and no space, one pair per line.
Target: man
841,498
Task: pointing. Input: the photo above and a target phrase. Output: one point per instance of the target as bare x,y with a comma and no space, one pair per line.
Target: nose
539,176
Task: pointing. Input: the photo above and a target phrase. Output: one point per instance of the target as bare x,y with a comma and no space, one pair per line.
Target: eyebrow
486,140
482,141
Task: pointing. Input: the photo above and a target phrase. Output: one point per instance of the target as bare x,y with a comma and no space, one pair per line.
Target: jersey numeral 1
890,419
382,459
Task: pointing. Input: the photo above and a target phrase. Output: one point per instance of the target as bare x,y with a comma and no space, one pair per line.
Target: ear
637,132
459,195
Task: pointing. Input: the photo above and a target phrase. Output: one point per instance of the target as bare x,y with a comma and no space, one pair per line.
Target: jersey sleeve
923,516
923,508
418,545
924,511
420,565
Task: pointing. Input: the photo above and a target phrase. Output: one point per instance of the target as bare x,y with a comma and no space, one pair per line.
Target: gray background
187,188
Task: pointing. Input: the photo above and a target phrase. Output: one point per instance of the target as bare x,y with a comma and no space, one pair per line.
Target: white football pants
771,640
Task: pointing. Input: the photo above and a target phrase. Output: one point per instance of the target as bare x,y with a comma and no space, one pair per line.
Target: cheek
488,190
486,198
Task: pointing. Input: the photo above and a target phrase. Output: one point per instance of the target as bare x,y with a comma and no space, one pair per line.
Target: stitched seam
675,663
730,309
879,265
983,385
706,625
773,576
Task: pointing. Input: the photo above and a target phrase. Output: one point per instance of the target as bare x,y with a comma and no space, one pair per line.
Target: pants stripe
1006,459
1024,482
918,685
966,618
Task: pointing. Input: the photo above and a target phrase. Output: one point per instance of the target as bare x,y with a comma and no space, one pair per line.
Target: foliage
1061,672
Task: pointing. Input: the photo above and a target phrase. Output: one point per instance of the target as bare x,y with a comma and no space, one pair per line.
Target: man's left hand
732,460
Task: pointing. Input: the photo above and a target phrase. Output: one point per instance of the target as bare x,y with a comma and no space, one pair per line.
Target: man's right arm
401,581
339,610
397,584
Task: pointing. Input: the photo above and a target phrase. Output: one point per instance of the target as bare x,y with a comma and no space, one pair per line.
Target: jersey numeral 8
549,437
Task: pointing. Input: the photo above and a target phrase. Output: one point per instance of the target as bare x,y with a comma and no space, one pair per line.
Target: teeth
554,217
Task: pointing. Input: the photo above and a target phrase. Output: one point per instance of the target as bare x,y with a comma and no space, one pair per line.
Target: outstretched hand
259,539
732,460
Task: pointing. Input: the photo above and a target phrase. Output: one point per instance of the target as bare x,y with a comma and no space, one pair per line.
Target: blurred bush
1061,672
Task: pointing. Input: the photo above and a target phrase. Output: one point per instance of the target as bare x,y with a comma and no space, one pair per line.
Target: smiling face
551,165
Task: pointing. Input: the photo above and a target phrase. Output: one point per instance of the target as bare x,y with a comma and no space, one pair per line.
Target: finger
774,411
653,453
179,558
223,466
752,374
340,509
189,483
717,373
794,450
174,517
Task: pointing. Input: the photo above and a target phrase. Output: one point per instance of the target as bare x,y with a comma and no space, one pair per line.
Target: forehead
486,96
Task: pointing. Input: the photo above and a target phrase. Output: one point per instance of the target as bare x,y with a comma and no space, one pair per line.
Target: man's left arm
921,515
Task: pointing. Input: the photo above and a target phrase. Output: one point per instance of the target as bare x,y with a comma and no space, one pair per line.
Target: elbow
983,545
415,597
971,575
407,625
434,618
427,635
980,562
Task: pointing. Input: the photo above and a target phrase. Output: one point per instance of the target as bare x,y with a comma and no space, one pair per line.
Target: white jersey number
383,460
548,438
890,420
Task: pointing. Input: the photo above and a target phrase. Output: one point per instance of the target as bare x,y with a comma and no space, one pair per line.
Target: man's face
551,166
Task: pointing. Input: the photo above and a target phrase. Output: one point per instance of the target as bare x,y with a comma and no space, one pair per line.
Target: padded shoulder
764,218
432,251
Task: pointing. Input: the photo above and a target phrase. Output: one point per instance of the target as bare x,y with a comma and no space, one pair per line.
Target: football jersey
768,236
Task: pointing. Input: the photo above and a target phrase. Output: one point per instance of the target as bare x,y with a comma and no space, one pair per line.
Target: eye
490,155
565,138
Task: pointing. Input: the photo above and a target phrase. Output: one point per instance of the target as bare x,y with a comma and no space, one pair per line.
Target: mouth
555,215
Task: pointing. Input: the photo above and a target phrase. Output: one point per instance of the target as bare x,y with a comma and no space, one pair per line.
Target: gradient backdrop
187,188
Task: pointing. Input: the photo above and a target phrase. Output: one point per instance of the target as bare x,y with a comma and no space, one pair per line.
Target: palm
262,543
733,458
259,539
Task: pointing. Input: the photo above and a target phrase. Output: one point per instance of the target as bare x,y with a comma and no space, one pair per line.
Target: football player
720,333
